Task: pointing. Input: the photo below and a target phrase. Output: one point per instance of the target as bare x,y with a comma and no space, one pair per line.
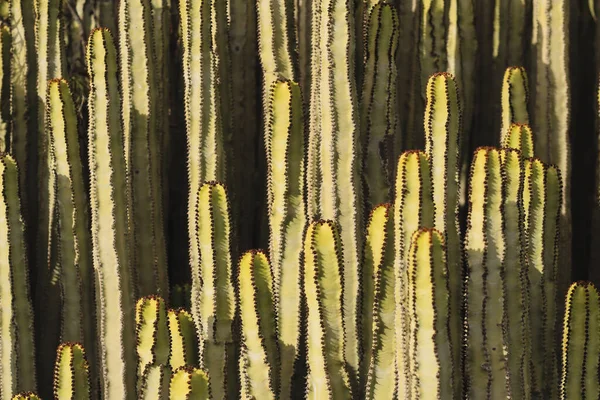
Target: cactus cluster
293,200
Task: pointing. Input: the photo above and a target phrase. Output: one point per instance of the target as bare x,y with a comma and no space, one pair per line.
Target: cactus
152,334
184,346
328,376
142,145
5,82
287,218
213,304
189,383
542,205
156,381
515,98
413,209
520,137
110,240
378,306
26,396
378,103
180,296
17,361
580,343
71,373
258,374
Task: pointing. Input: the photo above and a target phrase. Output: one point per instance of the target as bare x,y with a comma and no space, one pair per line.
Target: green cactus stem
214,303
5,84
515,98
153,342
519,137
189,383
26,396
156,380
378,106
413,209
184,344
378,370
17,360
142,145
71,373
581,343
258,374
287,218
327,369
109,194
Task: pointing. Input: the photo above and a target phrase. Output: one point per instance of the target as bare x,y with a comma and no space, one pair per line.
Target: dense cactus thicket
279,199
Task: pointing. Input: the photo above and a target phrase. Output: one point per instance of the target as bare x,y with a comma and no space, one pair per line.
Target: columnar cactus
258,374
326,345
110,234
5,84
152,334
184,343
515,99
519,137
287,217
189,383
413,209
213,299
26,396
581,343
155,382
141,127
17,360
71,373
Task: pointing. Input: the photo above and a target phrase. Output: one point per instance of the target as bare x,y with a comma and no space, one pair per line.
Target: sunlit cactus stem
17,360
327,372
515,98
189,383
378,119
287,217
27,396
155,382
109,215
71,373
5,84
581,343
213,304
519,137
153,342
184,343
413,209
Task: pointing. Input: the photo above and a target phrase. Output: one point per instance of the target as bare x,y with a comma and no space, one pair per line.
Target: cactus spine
152,334
581,343
287,218
17,365
323,263
378,307
184,344
213,305
109,199
515,97
378,105
142,149
413,209
71,373
258,374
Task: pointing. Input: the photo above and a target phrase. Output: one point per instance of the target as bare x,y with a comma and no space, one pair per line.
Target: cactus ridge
184,342
71,381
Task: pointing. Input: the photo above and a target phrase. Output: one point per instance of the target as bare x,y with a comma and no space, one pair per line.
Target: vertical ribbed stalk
378,119
142,144
17,360
258,374
190,383
323,263
71,373
443,131
74,240
542,202
378,368
204,129
287,218
5,83
26,396
519,137
214,304
184,343
581,343
413,209
515,98
334,148
109,194
430,349
155,382
485,247
152,332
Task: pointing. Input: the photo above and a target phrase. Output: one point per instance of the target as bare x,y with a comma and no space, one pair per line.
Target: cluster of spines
580,343
378,106
71,373
287,217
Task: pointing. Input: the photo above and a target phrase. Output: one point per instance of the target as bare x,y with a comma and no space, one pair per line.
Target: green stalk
109,194
152,332
189,383
156,381
519,137
5,84
142,144
326,345
26,396
17,350
71,373
184,343
515,98
413,209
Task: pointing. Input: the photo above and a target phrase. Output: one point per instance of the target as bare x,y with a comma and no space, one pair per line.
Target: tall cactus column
110,235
